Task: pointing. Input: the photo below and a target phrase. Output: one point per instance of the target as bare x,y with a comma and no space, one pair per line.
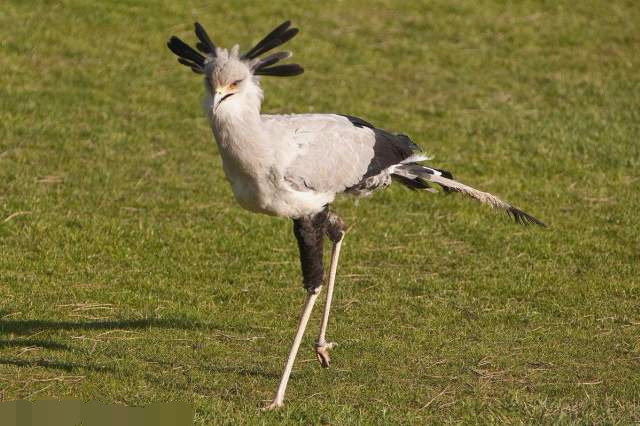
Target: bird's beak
219,95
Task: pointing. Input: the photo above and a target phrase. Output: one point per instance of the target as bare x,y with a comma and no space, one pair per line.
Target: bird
294,165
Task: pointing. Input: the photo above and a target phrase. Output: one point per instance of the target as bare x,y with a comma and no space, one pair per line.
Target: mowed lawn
128,274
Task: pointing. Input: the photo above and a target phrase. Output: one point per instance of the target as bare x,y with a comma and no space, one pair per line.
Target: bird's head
230,76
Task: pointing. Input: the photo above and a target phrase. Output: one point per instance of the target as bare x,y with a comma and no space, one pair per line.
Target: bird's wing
332,153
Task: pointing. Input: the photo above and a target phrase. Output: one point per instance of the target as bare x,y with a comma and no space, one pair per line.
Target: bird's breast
253,164
270,194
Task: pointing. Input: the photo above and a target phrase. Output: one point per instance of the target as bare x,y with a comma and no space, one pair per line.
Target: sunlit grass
128,274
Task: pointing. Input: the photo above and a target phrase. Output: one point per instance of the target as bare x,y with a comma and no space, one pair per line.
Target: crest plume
195,60
187,55
205,45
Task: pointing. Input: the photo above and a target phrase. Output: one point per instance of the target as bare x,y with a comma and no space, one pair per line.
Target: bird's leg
302,325
309,231
322,346
335,232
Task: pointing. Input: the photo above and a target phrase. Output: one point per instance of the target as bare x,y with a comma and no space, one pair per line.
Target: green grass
128,274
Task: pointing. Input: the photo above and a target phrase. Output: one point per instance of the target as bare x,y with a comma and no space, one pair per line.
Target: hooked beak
220,94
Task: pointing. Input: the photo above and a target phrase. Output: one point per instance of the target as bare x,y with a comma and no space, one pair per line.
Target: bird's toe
322,353
272,405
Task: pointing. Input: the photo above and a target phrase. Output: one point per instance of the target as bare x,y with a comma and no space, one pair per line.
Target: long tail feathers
413,171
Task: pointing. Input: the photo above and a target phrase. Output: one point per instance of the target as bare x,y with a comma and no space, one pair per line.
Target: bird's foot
273,405
322,352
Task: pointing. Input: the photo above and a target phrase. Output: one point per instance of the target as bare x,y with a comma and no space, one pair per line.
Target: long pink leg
322,346
309,301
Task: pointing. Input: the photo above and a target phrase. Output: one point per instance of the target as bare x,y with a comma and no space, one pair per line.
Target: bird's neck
240,134
237,117
238,122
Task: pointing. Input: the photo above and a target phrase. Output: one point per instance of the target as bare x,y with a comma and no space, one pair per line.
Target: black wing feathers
358,122
445,173
412,184
388,149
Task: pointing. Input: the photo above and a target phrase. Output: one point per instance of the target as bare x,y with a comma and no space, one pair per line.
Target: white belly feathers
272,195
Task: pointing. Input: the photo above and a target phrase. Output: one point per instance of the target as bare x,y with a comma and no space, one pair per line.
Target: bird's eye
234,84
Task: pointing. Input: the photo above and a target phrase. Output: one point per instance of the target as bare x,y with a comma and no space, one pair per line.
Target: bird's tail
417,176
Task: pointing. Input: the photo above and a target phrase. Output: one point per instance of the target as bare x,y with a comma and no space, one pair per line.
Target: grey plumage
345,151
294,165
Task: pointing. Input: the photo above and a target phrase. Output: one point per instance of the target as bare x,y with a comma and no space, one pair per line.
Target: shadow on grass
21,343
15,327
243,371
205,387
28,326
210,368
59,365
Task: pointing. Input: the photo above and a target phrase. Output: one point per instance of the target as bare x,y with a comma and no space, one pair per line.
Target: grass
129,275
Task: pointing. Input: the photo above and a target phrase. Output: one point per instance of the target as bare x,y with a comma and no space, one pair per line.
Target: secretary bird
293,165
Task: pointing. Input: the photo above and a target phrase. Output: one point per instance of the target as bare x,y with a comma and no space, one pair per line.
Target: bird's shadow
16,329
56,365
204,386
29,326
239,371
41,343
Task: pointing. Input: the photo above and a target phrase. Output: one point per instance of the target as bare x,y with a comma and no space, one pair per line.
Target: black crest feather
278,36
271,40
194,67
193,59
273,43
186,54
286,70
271,59
205,45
